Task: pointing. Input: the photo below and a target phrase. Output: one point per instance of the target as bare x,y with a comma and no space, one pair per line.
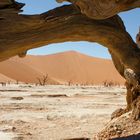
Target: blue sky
130,18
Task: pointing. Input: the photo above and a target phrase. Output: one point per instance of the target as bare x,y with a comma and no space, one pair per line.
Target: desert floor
29,112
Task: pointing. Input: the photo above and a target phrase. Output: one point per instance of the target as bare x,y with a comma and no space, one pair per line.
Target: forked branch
103,9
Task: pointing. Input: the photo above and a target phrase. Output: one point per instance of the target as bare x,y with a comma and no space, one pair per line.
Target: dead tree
3,84
69,82
43,80
83,20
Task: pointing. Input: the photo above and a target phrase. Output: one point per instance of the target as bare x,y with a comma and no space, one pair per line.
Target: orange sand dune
6,79
63,67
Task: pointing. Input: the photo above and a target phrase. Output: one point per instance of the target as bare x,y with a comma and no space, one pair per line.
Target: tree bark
103,9
20,33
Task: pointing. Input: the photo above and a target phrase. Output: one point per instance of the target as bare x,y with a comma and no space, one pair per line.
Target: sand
56,112
4,136
61,67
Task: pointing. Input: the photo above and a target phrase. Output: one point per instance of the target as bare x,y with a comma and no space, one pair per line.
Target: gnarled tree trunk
99,23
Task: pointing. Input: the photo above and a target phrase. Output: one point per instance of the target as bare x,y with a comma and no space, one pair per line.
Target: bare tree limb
20,33
102,9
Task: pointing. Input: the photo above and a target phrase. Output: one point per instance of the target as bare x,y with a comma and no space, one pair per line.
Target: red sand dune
61,67
4,78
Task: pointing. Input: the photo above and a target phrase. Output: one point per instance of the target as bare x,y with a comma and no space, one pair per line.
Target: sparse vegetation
3,83
9,82
110,83
69,82
42,81
17,82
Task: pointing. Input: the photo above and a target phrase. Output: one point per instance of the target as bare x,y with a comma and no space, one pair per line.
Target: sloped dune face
18,71
63,67
4,78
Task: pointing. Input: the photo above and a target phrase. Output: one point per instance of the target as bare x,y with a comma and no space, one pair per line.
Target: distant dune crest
63,68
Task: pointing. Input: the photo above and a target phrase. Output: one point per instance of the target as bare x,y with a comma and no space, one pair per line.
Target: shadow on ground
78,139
133,137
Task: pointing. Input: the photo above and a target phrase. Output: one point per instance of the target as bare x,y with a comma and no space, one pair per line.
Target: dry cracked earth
29,112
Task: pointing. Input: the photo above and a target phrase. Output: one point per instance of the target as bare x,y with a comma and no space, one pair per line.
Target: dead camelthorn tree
43,80
82,20
69,82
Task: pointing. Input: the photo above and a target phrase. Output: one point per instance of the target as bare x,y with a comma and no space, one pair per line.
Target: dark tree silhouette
43,80
88,20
